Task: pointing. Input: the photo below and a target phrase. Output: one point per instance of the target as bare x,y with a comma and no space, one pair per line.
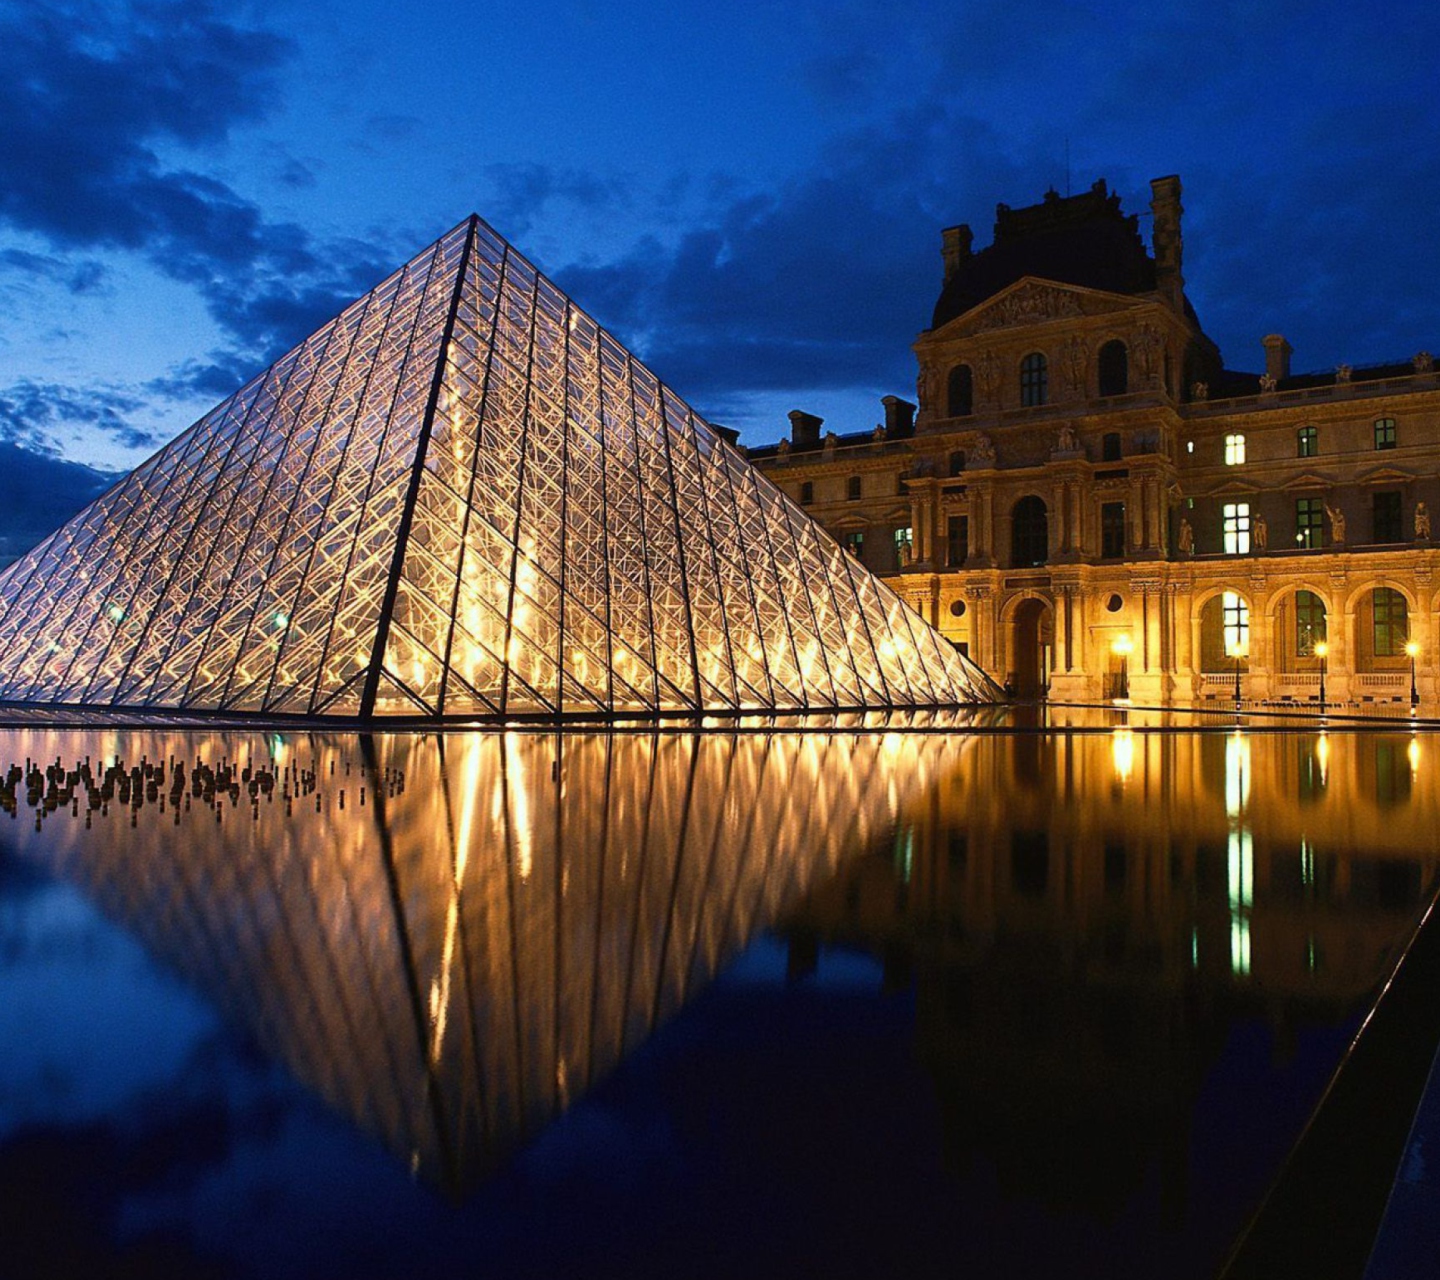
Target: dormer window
1034,380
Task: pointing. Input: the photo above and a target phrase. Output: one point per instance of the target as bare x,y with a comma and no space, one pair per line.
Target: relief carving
1030,304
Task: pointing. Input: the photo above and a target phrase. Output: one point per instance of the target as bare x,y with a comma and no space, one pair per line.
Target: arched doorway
1032,640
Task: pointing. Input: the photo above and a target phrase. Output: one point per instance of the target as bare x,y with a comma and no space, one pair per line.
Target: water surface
716,1003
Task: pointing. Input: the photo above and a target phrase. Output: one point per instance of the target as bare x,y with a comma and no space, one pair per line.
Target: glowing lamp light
1122,645
1321,648
1412,650
282,619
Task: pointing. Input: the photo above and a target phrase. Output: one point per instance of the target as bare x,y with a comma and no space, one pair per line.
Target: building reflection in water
450,938
1091,920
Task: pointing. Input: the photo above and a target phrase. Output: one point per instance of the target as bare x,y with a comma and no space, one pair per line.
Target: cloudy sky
750,195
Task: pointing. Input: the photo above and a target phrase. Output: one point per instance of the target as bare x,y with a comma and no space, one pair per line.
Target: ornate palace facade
1086,500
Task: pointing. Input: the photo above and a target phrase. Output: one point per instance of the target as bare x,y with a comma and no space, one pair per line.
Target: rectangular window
1235,618
1385,517
1307,442
1309,523
807,493
854,543
1112,530
1384,433
1236,526
904,546
1309,623
852,488
957,541
1234,450
1391,623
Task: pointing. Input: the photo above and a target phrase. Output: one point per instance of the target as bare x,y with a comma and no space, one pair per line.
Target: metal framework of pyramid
460,498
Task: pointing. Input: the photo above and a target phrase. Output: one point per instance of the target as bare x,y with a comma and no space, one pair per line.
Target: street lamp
1413,650
1321,650
1122,646
1237,648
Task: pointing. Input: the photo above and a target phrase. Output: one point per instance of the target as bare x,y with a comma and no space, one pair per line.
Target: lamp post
1121,647
1321,650
1237,651
1413,650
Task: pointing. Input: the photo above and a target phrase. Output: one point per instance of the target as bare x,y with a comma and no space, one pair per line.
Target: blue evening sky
750,195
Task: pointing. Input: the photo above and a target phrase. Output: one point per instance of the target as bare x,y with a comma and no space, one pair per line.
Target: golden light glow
1122,644
1412,649
1321,648
1322,755
1122,753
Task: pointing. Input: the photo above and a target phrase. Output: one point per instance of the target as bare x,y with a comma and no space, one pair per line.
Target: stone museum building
1088,501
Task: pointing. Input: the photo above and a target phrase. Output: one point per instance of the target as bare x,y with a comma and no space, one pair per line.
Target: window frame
1235,526
1311,622
1309,519
807,493
1112,526
960,391
1385,433
1235,449
1394,624
853,491
1034,380
1387,526
1307,442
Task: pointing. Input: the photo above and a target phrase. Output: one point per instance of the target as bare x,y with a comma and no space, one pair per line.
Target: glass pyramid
460,498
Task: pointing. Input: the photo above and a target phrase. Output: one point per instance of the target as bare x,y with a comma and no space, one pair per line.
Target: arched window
957,462
1309,623
852,488
960,393
1114,369
807,493
1034,380
1029,533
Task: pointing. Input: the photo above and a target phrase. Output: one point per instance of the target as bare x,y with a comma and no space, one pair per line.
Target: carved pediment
1031,301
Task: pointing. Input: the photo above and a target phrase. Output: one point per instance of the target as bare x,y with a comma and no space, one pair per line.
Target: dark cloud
38,493
90,97
822,284
31,412
81,276
519,193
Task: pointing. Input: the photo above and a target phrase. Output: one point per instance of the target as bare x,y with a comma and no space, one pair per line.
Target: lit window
904,545
1307,442
1235,618
1189,446
1236,524
1309,529
1234,450
1034,380
1391,621
807,493
1309,623
1384,433
854,543
852,488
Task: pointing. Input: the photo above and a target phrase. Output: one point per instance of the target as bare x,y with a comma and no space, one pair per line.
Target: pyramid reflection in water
459,498
453,961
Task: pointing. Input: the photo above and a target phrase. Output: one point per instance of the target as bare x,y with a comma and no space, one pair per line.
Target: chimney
955,245
1277,356
804,429
899,417
1168,245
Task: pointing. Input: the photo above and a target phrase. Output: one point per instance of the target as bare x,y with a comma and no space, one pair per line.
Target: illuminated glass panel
459,498
1307,442
1235,526
1384,433
1234,450
1235,623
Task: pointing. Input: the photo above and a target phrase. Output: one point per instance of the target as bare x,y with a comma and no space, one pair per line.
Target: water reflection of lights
1322,756
1413,753
1240,859
1122,753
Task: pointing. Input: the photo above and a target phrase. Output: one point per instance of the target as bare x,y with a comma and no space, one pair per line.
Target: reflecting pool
707,1003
